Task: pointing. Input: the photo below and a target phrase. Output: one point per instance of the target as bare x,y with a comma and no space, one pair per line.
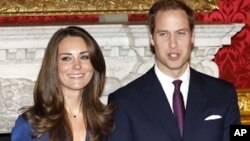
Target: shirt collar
185,77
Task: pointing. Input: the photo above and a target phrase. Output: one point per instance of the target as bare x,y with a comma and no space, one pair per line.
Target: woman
67,91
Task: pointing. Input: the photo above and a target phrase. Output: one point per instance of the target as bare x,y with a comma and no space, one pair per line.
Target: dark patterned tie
178,105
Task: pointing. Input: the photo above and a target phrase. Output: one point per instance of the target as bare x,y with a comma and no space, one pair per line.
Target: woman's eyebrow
84,52
65,53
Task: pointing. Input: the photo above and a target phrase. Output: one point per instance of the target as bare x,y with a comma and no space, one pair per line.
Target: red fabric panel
43,20
233,60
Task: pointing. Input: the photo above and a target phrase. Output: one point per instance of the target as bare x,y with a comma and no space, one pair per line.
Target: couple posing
71,81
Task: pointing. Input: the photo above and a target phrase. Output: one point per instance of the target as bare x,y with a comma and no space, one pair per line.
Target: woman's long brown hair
48,114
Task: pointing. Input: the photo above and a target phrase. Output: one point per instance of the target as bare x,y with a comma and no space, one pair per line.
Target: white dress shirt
168,86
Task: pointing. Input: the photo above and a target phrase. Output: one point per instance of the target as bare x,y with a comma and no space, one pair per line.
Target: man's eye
162,34
182,33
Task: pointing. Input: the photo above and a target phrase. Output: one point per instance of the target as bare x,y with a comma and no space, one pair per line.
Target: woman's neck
73,104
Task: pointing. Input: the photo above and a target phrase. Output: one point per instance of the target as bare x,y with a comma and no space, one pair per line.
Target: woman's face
74,66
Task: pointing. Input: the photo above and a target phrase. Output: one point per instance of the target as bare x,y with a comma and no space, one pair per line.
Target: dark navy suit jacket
144,114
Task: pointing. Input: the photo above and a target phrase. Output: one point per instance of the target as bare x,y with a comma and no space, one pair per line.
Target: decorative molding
14,94
244,105
209,38
68,7
125,48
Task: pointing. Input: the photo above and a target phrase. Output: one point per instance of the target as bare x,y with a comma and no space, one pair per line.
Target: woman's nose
77,64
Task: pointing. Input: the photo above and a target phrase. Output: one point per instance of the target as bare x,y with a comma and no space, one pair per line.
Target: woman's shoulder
21,130
21,123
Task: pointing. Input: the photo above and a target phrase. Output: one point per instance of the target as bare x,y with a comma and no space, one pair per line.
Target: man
146,108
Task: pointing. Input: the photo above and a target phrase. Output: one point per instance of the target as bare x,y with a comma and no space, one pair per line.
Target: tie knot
177,84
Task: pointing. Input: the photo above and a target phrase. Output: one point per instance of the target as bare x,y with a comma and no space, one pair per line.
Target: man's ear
151,40
192,38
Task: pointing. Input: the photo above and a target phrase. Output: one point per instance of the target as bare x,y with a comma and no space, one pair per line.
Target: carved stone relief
125,48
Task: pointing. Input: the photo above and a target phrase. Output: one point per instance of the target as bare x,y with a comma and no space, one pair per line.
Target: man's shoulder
210,80
135,87
214,88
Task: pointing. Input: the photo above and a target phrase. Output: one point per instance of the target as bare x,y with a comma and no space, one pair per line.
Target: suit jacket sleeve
123,131
232,115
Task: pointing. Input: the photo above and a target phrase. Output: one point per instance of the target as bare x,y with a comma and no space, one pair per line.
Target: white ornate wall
126,51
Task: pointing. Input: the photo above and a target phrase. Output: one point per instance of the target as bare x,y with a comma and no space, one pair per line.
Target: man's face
172,40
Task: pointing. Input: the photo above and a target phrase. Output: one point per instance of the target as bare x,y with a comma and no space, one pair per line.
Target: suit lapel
157,106
195,106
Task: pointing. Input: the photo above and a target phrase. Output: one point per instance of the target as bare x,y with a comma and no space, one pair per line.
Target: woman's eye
66,58
84,57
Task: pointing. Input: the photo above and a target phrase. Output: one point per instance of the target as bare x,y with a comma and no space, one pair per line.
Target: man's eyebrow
161,30
183,29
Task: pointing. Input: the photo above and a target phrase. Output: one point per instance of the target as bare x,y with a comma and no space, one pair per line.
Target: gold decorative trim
244,105
68,7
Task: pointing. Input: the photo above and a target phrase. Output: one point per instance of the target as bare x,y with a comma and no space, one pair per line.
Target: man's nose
172,41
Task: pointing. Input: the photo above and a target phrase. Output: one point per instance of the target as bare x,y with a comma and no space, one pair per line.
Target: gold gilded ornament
68,7
244,105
